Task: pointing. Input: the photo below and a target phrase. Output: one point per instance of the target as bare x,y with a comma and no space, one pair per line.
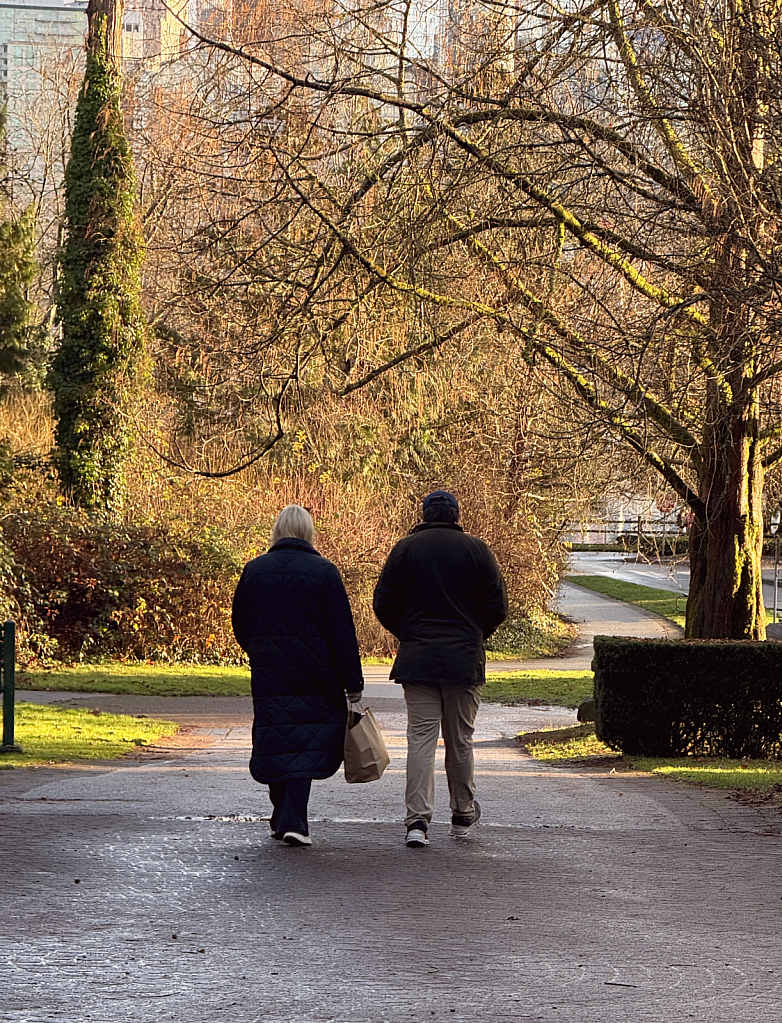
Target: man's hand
355,697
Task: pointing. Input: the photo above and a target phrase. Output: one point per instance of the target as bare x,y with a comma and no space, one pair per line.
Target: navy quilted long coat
292,616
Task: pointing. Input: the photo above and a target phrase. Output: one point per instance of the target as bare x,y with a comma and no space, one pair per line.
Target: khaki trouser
429,707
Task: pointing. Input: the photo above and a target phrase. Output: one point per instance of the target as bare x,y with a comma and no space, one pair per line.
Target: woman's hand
355,697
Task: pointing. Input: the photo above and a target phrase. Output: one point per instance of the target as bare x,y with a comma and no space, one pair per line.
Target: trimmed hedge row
666,698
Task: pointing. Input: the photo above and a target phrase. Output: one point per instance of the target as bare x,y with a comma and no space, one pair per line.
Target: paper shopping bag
366,756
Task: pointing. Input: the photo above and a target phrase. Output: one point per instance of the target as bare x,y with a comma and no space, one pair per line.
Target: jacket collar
436,525
293,543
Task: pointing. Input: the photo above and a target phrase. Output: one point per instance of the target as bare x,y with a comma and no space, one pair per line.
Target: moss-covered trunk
726,540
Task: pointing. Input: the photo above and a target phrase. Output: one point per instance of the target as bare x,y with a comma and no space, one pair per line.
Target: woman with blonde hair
292,617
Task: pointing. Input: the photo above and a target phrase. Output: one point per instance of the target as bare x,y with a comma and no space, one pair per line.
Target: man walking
441,593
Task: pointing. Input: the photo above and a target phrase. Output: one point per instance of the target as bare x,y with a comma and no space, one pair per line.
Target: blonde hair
296,521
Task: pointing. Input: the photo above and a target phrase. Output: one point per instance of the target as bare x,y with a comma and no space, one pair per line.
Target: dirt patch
187,740
746,798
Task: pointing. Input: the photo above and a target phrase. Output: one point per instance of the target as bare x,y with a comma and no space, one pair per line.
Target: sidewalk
151,891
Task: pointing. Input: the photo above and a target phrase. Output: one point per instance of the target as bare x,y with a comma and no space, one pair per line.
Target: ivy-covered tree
102,344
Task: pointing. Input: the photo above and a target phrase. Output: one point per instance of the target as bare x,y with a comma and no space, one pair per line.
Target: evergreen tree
20,336
98,360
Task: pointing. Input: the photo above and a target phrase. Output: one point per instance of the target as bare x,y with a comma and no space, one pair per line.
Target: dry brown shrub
360,468
358,521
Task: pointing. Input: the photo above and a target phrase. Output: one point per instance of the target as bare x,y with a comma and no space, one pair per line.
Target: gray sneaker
463,823
416,835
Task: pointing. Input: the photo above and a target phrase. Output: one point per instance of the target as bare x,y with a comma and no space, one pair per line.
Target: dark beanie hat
443,498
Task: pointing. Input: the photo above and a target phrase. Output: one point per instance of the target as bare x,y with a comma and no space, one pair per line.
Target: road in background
671,575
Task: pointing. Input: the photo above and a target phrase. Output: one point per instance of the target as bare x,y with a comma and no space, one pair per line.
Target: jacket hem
270,779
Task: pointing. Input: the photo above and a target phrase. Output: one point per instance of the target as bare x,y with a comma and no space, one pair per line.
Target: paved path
594,614
150,891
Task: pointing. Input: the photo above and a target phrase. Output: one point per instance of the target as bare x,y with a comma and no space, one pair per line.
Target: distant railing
629,532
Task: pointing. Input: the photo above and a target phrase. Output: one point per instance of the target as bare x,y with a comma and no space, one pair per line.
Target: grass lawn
662,602
141,679
666,603
558,688
561,688
563,746
60,735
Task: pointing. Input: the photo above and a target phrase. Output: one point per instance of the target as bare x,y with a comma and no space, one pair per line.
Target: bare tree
598,186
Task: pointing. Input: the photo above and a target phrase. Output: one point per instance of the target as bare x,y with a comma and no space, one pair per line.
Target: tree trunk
112,11
726,540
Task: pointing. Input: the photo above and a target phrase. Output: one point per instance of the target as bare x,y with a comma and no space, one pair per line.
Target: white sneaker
462,825
416,835
294,838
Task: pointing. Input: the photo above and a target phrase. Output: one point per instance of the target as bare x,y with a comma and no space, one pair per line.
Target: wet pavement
151,891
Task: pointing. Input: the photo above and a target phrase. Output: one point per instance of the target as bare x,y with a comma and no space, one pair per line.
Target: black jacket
292,617
441,593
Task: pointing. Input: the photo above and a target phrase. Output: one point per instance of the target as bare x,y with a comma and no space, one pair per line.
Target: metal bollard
8,687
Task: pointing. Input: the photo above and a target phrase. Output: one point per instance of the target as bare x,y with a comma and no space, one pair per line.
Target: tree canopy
595,186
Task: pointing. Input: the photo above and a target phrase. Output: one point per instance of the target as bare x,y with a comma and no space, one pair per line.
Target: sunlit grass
61,735
558,688
574,743
561,688
561,746
742,775
140,679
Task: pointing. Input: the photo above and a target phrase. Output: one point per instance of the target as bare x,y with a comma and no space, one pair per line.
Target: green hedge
666,698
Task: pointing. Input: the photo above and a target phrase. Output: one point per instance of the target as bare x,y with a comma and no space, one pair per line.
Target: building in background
34,33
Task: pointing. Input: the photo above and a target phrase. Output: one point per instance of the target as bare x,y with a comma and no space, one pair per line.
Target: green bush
82,587
664,698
